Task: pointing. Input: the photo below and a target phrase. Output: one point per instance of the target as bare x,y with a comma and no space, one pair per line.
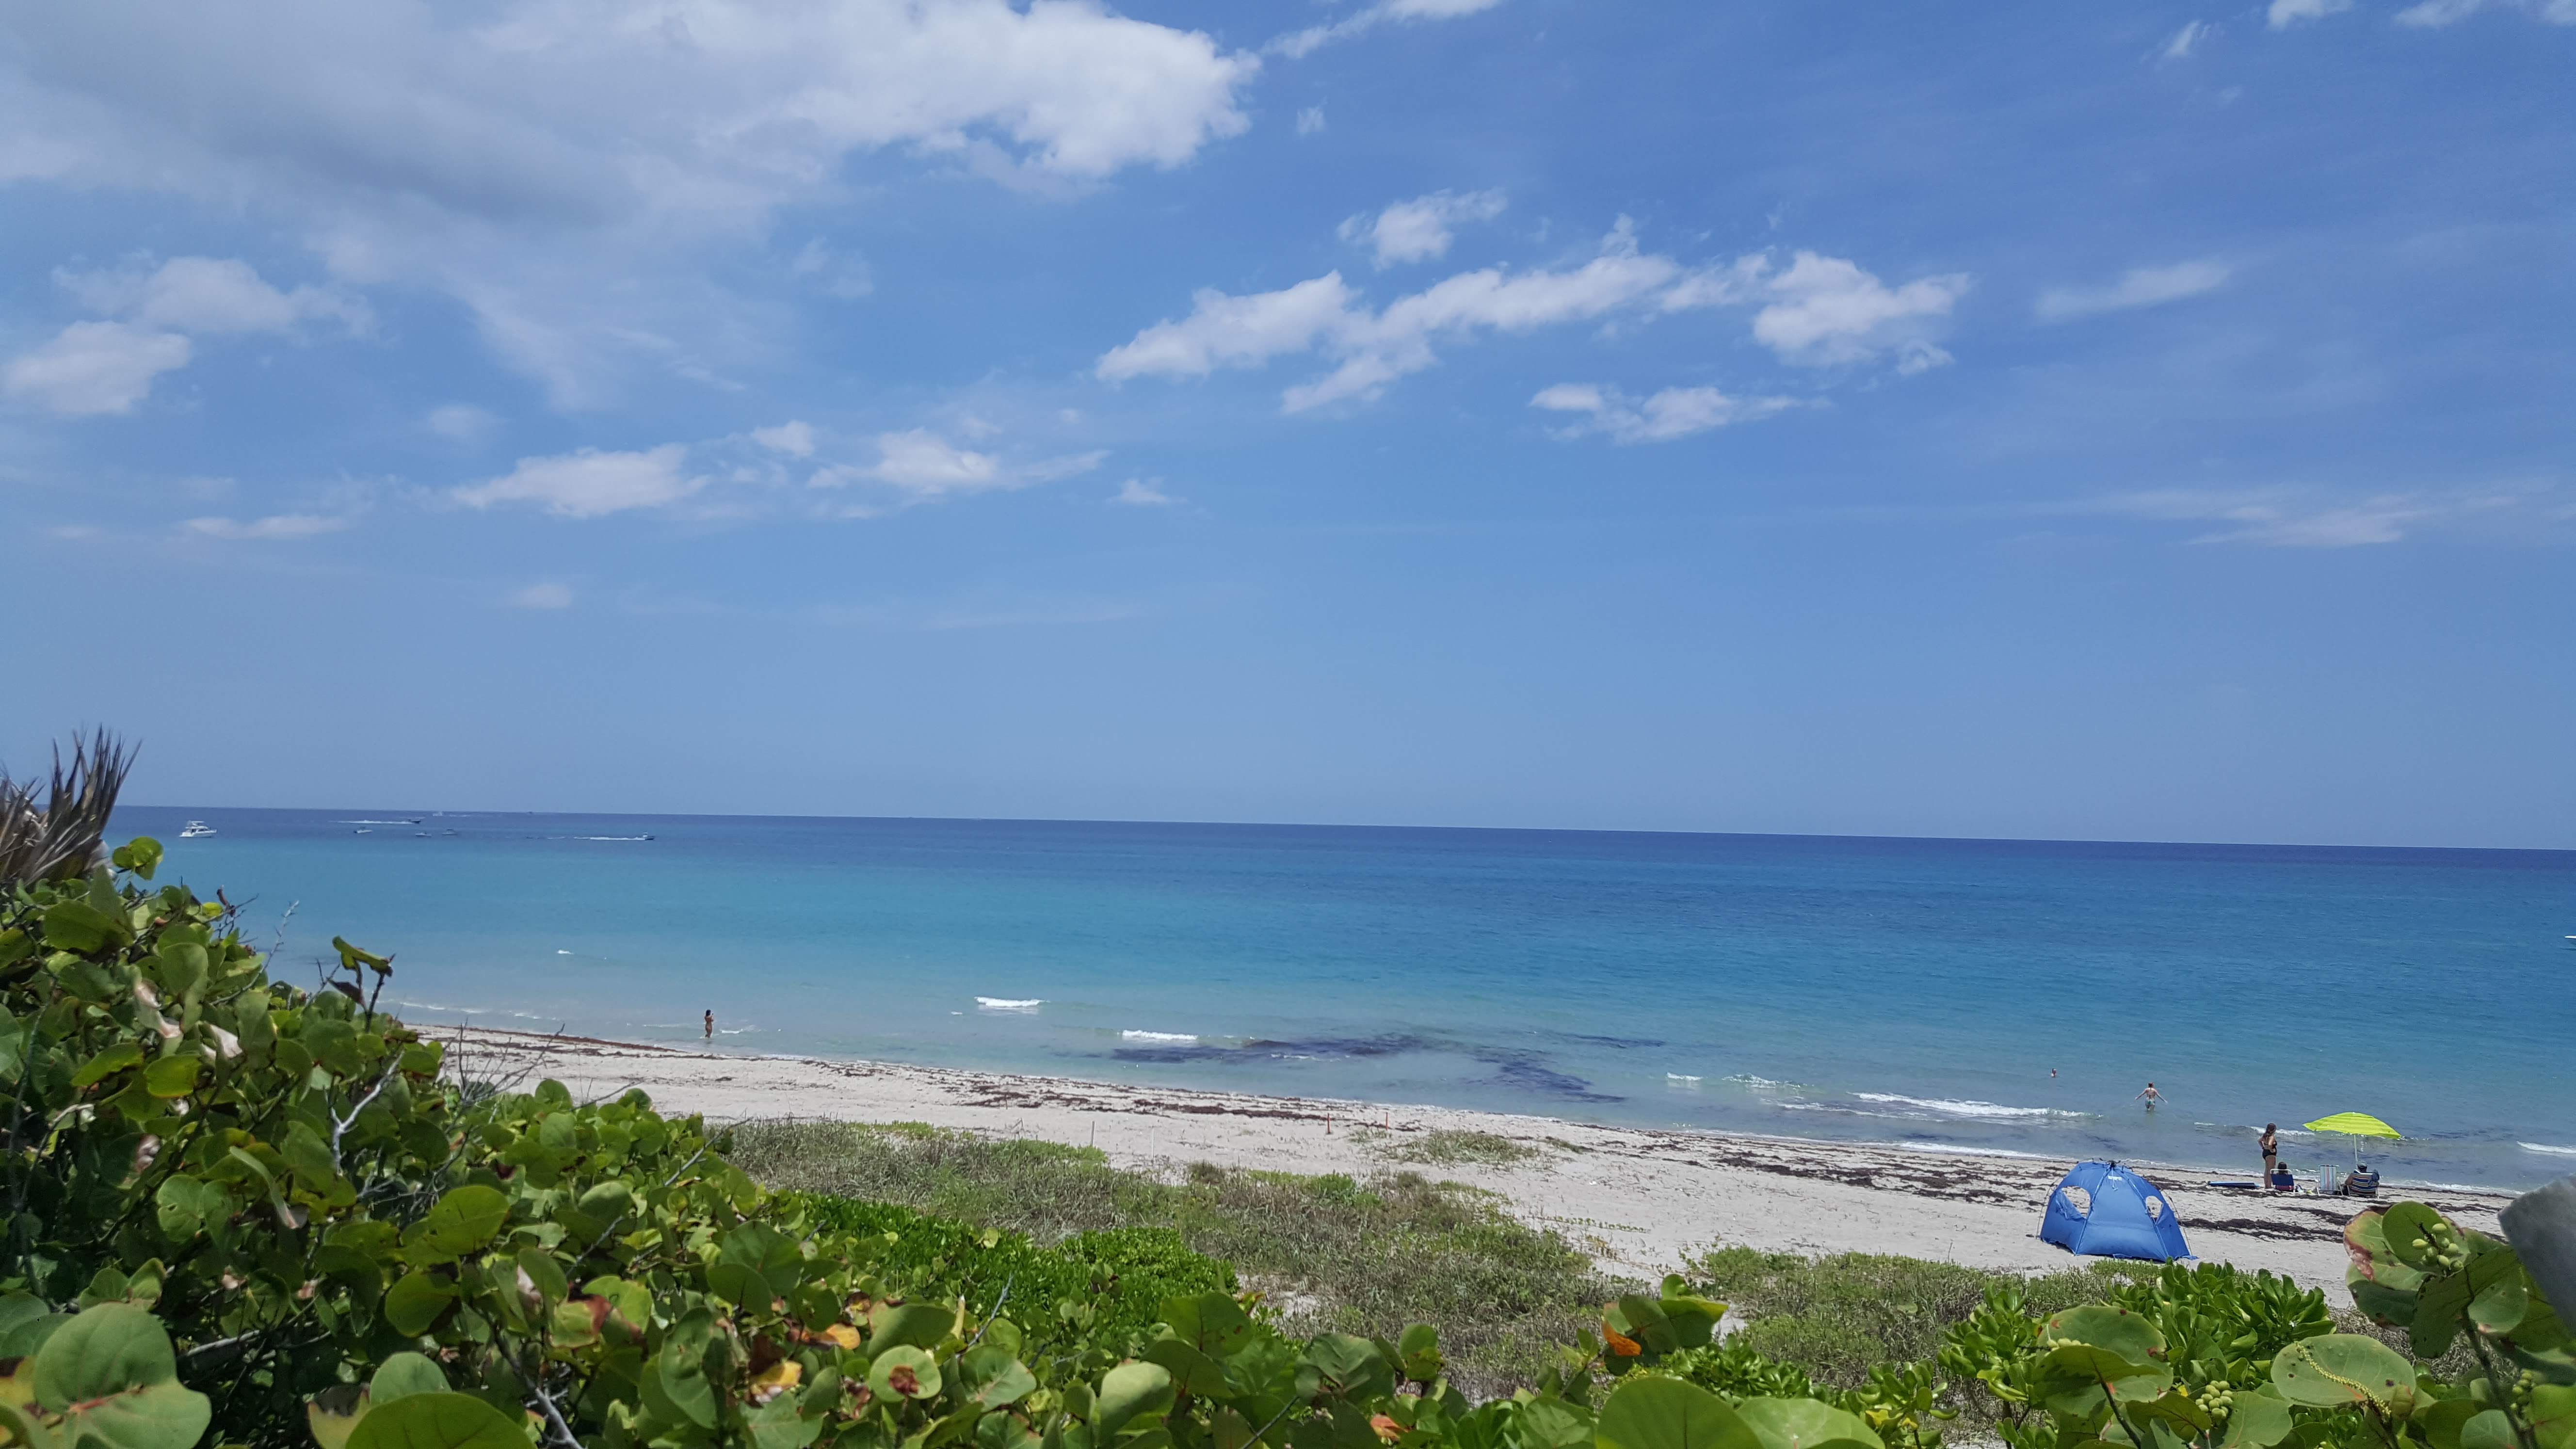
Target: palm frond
63,839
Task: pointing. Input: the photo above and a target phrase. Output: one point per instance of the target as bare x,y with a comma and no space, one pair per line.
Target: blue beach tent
2104,1210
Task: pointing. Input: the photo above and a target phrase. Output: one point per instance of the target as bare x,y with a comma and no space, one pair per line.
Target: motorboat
196,829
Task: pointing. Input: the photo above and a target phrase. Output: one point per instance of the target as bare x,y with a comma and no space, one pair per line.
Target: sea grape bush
244,1213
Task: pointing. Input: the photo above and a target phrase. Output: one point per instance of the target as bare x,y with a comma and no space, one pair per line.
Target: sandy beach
1638,1199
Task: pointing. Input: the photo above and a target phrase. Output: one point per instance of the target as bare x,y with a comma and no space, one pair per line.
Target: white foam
1916,1145
1950,1108
2544,1147
1166,1036
563,953
1677,1079
1009,1003
1758,1084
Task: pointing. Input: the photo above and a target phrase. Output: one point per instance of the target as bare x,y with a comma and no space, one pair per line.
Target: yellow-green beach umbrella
2355,1125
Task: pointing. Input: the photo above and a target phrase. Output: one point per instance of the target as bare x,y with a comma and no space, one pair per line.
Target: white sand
1638,1199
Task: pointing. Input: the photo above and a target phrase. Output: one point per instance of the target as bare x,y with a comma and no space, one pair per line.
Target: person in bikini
2271,1145
2151,1096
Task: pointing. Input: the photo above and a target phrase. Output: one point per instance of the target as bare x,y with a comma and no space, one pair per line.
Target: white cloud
275,526
1675,412
461,423
1820,310
1826,310
2285,13
927,466
1418,230
1143,494
94,367
543,596
2436,13
1227,331
209,295
2137,287
794,439
562,166
1306,42
2188,39
591,483
1310,120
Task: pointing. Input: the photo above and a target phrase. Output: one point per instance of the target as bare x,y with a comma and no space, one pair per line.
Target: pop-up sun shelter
2106,1211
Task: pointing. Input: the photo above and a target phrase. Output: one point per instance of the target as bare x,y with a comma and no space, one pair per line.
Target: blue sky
2021,419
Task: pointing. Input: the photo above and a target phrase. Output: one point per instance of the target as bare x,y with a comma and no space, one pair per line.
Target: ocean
1974,996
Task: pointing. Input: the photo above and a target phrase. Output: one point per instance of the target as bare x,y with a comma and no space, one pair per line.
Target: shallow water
1889,990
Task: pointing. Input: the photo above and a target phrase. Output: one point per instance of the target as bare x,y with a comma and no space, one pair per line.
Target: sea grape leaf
1658,1413
415,1302
1130,1391
111,1372
2336,1369
403,1375
333,1414
2257,1421
994,1378
1804,1424
917,1324
463,1220
436,1421
906,1372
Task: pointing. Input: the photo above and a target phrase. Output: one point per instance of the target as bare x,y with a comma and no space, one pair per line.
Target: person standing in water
711,1023
2151,1096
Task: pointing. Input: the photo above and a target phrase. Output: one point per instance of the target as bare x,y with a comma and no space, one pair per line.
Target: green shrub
1110,1283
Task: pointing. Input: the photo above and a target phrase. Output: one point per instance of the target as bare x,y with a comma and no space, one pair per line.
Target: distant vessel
196,828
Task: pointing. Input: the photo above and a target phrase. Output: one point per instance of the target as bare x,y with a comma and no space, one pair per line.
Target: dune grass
1836,1316
1450,1147
1373,1254
1332,1252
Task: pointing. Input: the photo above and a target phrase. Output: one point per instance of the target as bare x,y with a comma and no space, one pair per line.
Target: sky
2149,421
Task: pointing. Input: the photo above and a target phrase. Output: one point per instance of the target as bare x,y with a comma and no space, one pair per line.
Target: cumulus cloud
1418,230
1826,310
2137,287
209,295
1817,311
542,596
1675,412
2432,14
275,526
795,439
1142,494
925,466
108,366
1305,42
2282,14
91,368
591,483
560,166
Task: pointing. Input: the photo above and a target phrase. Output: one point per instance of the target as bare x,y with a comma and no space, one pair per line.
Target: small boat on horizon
196,829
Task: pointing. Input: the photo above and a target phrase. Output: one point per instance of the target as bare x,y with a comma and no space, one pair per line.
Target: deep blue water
1891,990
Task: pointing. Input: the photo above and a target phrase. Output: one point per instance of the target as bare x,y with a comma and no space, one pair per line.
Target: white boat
194,829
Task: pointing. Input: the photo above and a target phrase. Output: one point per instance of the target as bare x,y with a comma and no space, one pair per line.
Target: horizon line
426,813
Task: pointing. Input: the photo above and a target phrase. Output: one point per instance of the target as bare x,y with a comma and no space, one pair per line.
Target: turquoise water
1913,991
